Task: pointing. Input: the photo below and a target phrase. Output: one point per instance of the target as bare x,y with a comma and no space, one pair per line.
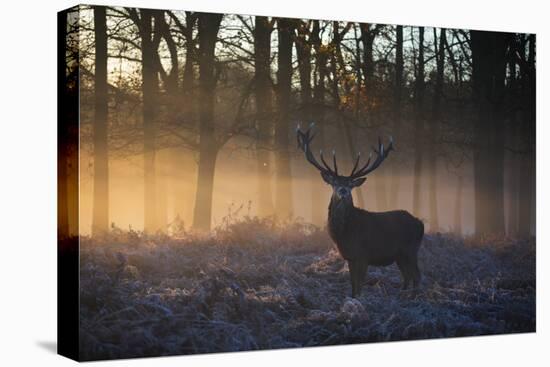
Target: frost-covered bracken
257,284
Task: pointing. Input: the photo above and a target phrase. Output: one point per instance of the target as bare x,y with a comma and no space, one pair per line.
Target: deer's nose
342,192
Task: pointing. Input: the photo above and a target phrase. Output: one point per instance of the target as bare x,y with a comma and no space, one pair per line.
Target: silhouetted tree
488,73
527,166
100,126
209,25
318,113
419,138
434,122
262,61
283,203
397,110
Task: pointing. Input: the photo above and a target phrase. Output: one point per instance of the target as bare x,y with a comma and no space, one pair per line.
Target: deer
366,238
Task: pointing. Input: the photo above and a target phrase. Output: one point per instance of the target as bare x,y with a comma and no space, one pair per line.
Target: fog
235,186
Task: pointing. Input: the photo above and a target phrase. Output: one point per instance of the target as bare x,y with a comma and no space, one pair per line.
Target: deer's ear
327,178
358,182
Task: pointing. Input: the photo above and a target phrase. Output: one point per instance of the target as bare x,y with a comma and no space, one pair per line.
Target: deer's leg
352,273
361,272
404,268
416,272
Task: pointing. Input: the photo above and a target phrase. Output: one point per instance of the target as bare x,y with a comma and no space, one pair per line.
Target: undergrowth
259,284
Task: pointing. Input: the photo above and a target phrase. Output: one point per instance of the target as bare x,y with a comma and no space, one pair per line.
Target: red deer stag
365,238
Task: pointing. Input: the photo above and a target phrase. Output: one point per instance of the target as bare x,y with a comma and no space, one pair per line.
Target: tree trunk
488,72
357,113
68,129
527,171
283,204
397,107
163,158
150,89
202,214
209,25
161,185
335,61
368,35
262,61
184,166
183,171
527,194
434,130
100,221
318,205
458,206
190,57
513,164
303,52
514,174
419,124
308,100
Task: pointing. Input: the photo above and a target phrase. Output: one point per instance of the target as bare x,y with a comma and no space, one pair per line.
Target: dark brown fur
366,238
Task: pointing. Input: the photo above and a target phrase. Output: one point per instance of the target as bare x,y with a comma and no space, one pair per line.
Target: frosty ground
256,284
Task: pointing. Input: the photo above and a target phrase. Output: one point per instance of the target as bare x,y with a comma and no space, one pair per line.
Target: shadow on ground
48,345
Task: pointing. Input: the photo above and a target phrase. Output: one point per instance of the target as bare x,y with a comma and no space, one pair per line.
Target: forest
202,228
166,112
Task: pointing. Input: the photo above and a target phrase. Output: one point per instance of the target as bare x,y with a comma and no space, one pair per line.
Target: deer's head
341,184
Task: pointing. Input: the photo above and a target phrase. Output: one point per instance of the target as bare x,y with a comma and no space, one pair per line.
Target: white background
28,182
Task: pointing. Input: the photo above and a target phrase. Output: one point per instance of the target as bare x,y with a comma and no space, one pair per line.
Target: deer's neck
339,212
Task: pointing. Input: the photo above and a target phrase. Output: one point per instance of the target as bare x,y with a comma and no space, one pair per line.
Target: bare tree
527,168
434,127
264,108
419,89
209,25
283,204
397,111
100,219
488,72
318,113
150,90
183,103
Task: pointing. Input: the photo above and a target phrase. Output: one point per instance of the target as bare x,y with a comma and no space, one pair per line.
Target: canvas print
238,182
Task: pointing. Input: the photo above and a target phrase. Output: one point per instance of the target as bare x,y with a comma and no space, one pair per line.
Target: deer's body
365,238
379,238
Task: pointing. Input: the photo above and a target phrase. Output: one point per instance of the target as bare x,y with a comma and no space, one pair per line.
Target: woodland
176,93
201,227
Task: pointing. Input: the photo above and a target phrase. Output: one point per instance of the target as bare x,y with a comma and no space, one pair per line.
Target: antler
304,139
381,154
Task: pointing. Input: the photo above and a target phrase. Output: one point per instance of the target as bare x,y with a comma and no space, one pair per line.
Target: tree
433,127
368,36
150,89
183,102
209,25
528,123
419,89
397,110
303,53
488,73
318,215
101,161
283,204
68,127
458,206
262,61
513,139
338,71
